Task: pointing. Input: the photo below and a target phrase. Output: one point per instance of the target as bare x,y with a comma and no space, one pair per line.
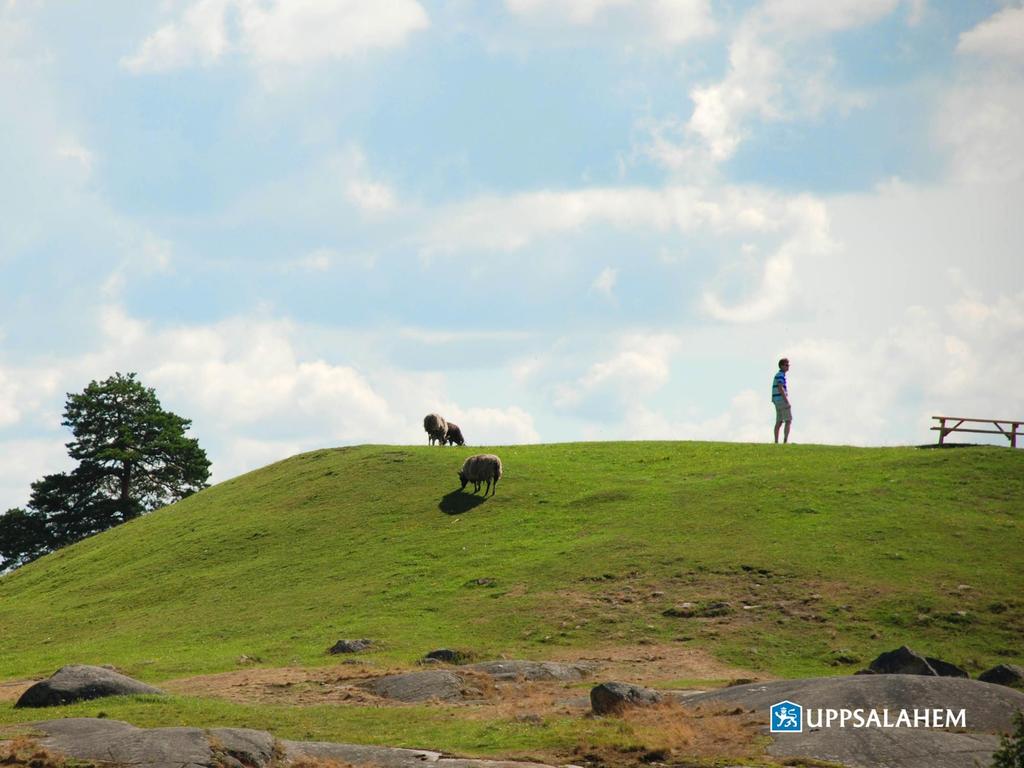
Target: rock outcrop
80,682
904,661
433,684
1004,674
534,670
988,708
613,698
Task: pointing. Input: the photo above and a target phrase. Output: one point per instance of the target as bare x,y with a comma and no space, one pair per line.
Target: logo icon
787,717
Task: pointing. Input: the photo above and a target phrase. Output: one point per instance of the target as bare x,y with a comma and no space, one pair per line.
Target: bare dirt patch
298,686
657,663
11,690
343,684
674,734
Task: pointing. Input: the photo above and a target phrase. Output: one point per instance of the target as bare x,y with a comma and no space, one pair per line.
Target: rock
388,757
534,670
1004,674
350,646
114,742
448,656
79,682
439,684
612,698
945,669
989,710
253,749
702,610
904,661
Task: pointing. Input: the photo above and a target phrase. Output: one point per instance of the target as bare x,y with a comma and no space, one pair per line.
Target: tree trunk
125,501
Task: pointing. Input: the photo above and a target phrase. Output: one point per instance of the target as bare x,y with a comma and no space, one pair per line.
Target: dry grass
319,762
671,733
25,751
701,732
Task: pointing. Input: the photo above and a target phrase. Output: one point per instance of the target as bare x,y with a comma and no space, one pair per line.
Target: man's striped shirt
779,387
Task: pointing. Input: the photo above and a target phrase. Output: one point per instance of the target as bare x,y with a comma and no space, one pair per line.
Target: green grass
845,552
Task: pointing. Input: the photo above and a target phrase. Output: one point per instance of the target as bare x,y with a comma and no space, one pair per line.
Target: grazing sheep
437,428
455,435
480,468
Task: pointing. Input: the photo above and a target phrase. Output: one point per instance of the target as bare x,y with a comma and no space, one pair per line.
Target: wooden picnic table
1010,432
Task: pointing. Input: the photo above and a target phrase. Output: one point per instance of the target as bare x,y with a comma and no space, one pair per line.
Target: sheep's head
464,479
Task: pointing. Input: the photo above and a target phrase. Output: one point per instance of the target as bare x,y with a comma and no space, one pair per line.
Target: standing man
780,397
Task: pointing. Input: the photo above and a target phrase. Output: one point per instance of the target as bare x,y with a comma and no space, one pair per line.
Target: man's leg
777,425
785,439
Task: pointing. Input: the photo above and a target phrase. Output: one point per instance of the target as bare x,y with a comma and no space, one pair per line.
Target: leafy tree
23,537
1011,747
133,457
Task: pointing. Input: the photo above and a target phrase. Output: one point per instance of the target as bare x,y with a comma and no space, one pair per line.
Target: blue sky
309,223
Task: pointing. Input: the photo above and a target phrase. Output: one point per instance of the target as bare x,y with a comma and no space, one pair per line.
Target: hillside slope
824,555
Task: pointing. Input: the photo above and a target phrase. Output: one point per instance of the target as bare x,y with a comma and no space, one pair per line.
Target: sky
310,223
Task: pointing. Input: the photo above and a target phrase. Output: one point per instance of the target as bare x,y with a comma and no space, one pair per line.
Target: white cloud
327,259
72,149
952,364
299,31
980,120
767,80
493,426
25,461
982,124
604,283
511,223
436,337
810,240
288,32
198,37
794,230
27,393
744,421
370,197
639,367
808,17
669,21
751,87
1000,36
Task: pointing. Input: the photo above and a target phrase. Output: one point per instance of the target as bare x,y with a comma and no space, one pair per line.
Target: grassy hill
844,552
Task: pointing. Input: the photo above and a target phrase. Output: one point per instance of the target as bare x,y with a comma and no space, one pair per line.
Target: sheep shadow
457,502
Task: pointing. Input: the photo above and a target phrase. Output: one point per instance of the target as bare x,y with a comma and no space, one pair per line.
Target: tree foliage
1011,746
23,537
133,457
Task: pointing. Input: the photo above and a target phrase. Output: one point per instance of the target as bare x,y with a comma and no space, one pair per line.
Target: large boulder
613,698
433,684
79,682
448,656
112,741
904,661
1004,674
366,756
534,670
989,710
350,646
